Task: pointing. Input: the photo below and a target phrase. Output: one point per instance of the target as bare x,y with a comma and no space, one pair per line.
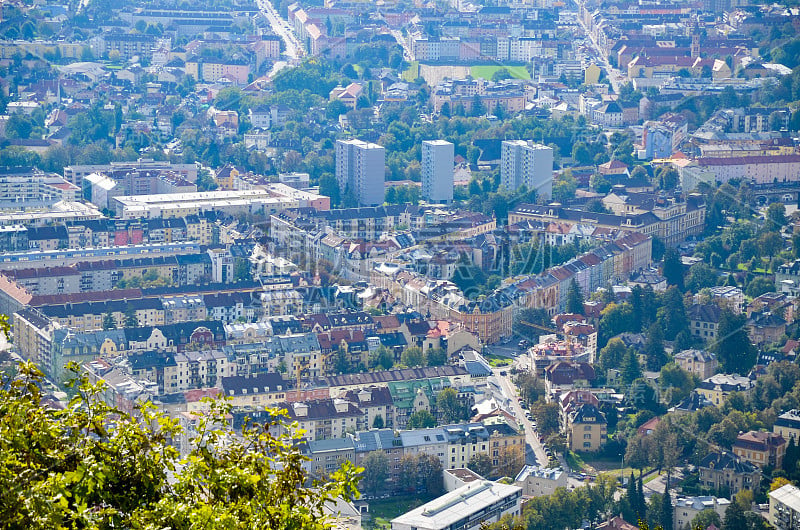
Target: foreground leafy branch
90,466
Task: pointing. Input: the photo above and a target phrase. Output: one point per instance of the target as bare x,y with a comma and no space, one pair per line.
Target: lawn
381,512
574,461
495,361
411,73
486,71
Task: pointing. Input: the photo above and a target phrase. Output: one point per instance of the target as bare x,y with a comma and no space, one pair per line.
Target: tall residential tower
525,162
437,171
361,170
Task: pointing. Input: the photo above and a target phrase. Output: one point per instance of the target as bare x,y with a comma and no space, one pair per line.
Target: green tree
131,320
377,423
734,518
672,314
109,322
478,108
564,187
92,466
666,518
481,464
581,154
546,415
341,362
412,356
382,358
706,518
575,298
700,276
630,370
612,354
776,216
531,388
375,473
759,285
436,357
429,474
421,419
654,348
677,382
734,350
673,268
449,407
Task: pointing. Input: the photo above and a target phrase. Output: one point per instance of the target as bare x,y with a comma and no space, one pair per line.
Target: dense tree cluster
91,466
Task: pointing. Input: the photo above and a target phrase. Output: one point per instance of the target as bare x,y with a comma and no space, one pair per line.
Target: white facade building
466,508
361,167
528,163
784,507
437,171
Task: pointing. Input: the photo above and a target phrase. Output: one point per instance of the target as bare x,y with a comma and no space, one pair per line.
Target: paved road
294,49
398,36
615,76
535,453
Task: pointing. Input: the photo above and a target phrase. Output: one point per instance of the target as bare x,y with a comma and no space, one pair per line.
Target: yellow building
586,428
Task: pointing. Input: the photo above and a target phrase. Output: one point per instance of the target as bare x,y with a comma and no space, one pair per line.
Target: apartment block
437,171
361,171
527,163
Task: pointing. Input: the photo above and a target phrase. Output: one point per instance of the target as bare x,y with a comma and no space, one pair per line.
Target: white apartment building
528,163
437,171
361,170
466,508
784,507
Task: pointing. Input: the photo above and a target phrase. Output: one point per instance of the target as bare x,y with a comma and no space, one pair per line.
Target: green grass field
383,511
496,361
486,71
411,73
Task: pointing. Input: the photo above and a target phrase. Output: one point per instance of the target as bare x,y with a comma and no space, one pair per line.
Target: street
535,453
294,49
615,76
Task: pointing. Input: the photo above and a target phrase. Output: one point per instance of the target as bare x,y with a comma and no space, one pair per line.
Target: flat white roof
456,505
788,495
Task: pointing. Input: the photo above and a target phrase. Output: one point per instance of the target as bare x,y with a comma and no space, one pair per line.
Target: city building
586,428
718,387
687,508
718,470
784,507
361,171
704,320
536,481
788,426
699,362
467,508
527,163
760,448
437,171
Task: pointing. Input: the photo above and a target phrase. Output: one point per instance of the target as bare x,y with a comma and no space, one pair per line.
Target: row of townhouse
306,347
180,270
453,445
52,347
670,219
491,318
155,310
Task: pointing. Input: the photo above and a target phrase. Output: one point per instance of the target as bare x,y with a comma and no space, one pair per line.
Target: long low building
273,199
466,508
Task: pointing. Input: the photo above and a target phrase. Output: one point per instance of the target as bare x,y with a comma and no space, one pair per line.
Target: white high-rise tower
527,163
437,171
361,169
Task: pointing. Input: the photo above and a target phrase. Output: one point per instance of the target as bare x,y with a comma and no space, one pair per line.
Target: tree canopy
92,466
